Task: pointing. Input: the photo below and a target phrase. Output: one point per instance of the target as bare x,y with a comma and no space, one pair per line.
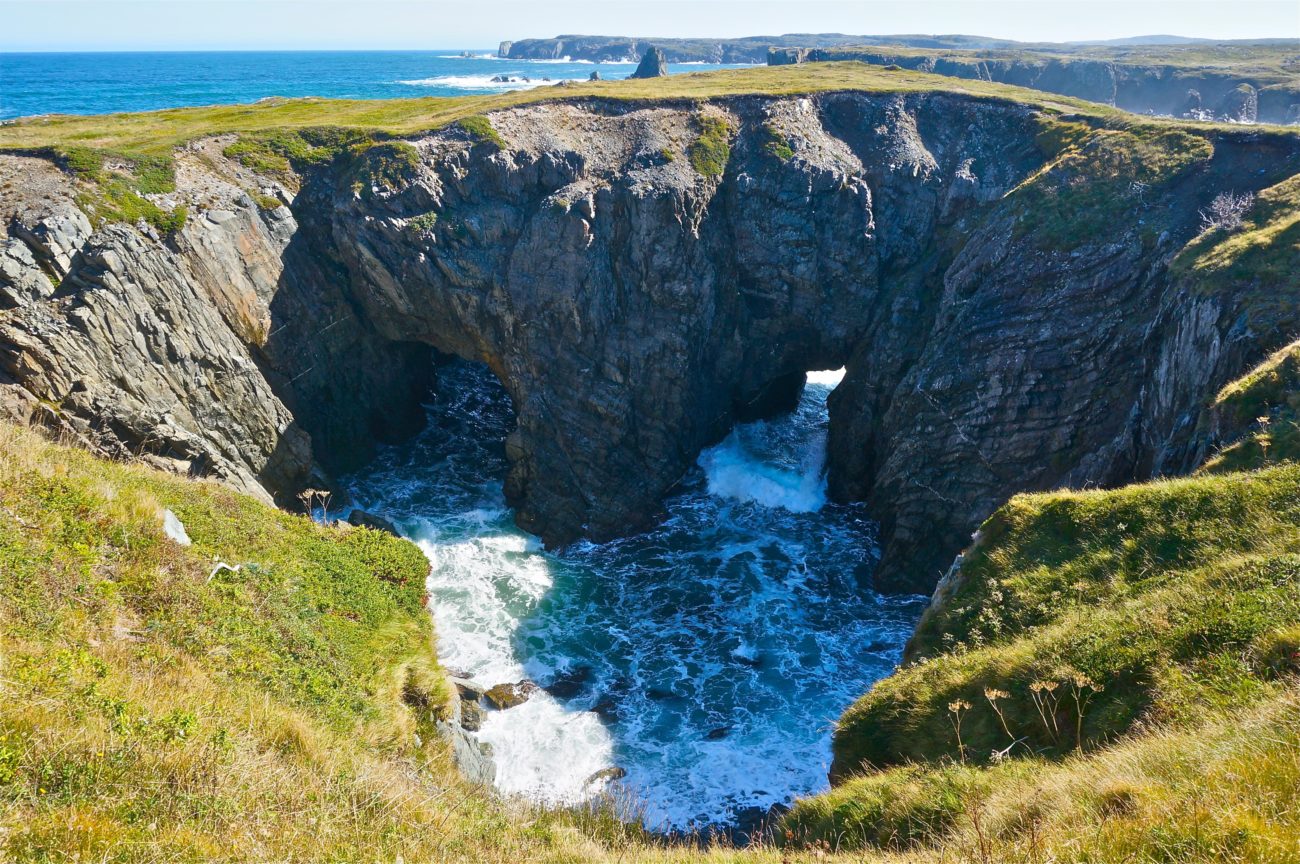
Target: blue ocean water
708,657
100,83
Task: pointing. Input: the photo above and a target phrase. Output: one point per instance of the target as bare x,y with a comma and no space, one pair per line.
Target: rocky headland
1001,281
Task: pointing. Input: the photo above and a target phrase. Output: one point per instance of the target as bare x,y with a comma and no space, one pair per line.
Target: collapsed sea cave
1015,295
700,663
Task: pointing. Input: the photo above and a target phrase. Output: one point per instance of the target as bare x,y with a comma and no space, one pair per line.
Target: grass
1258,415
113,186
1087,613
481,128
382,165
710,152
156,707
1096,177
777,144
1125,660
1220,790
1254,264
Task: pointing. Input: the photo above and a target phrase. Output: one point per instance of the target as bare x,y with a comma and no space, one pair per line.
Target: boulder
653,65
504,696
471,716
594,76
472,757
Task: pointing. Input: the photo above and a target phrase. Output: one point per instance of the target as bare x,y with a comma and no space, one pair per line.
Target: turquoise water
99,83
708,657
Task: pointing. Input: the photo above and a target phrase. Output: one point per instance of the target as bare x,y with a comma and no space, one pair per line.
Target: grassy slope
1140,648
151,710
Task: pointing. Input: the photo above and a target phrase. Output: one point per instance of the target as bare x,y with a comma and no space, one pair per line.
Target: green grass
382,166
154,707
1097,178
1091,611
113,185
279,150
481,128
1219,790
711,150
1258,415
777,144
1255,264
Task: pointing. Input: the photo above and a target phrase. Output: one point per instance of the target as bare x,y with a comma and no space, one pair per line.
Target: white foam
728,616
546,752
827,378
733,472
478,82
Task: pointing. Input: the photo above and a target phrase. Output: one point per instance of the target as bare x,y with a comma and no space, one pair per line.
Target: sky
133,25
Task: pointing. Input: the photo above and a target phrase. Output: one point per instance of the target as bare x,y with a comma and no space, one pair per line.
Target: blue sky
44,25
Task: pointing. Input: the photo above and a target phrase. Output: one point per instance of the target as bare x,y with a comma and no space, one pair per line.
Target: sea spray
708,657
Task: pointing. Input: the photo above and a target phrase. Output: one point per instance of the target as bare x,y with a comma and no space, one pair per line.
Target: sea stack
653,65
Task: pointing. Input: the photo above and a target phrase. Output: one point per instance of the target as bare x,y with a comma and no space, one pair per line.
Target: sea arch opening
699,664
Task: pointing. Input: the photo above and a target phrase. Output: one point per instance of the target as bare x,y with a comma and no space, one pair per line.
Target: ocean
708,657
101,83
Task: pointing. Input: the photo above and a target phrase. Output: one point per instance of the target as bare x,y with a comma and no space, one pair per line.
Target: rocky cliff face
1143,88
641,277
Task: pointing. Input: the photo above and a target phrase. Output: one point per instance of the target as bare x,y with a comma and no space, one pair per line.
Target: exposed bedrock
1001,333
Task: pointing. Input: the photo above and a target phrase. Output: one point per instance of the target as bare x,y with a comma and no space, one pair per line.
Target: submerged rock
567,684
605,776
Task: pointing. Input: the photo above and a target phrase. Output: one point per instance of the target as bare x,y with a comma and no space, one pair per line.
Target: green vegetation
115,185
263,201
777,144
1094,177
266,694
281,149
382,166
1259,415
1220,790
482,130
1254,263
1112,659
423,223
711,151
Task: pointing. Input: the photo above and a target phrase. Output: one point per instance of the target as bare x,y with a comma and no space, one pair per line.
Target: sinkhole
708,658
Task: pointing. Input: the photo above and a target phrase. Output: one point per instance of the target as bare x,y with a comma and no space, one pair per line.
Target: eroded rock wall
636,304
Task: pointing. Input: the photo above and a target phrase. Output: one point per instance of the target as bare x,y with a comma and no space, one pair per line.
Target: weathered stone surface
361,518
636,309
653,65
506,696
